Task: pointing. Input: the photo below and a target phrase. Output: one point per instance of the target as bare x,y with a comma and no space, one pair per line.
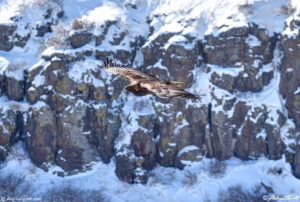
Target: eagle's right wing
127,72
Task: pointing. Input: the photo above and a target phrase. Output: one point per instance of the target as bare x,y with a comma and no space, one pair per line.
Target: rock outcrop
290,71
245,48
77,113
8,130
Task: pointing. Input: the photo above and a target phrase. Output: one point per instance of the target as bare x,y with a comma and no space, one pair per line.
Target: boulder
40,134
290,71
6,37
172,56
125,168
76,142
144,145
14,88
249,49
187,155
296,164
105,125
78,39
8,129
222,135
42,28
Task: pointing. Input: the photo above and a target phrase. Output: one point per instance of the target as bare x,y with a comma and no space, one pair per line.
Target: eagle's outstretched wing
166,90
133,75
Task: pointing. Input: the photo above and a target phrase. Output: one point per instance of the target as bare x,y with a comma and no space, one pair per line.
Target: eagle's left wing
127,72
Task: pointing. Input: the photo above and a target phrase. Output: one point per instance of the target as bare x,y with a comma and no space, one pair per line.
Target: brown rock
40,134
296,164
79,39
290,73
222,135
143,145
14,88
8,129
75,140
125,168
6,33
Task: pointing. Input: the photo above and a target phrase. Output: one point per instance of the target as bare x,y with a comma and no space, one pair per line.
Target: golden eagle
142,84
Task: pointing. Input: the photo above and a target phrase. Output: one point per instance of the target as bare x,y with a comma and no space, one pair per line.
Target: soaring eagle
142,84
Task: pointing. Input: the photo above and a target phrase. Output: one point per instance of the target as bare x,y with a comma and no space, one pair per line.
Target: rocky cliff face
70,112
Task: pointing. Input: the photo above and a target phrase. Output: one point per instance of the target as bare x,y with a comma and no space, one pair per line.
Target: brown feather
127,72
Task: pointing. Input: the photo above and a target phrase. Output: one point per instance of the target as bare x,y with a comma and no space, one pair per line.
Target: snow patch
187,149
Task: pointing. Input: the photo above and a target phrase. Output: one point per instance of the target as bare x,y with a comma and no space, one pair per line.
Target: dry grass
238,193
46,3
217,168
14,186
42,4
190,179
246,8
59,37
69,193
287,9
22,6
274,171
82,24
16,106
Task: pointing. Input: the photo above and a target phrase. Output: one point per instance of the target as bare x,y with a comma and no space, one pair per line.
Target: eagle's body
142,84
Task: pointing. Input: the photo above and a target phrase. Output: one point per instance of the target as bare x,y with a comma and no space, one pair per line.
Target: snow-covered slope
195,183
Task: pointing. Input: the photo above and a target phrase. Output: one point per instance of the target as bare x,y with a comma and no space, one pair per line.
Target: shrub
72,194
275,171
190,179
287,9
14,186
46,3
59,38
217,168
237,193
246,8
79,24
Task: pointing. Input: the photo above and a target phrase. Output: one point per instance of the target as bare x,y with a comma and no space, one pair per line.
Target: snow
187,149
262,134
289,31
7,104
253,41
297,91
82,72
8,9
132,109
265,68
232,71
108,11
3,148
38,80
177,39
172,144
39,105
166,184
205,17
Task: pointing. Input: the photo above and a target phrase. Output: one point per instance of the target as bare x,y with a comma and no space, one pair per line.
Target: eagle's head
128,89
137,90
